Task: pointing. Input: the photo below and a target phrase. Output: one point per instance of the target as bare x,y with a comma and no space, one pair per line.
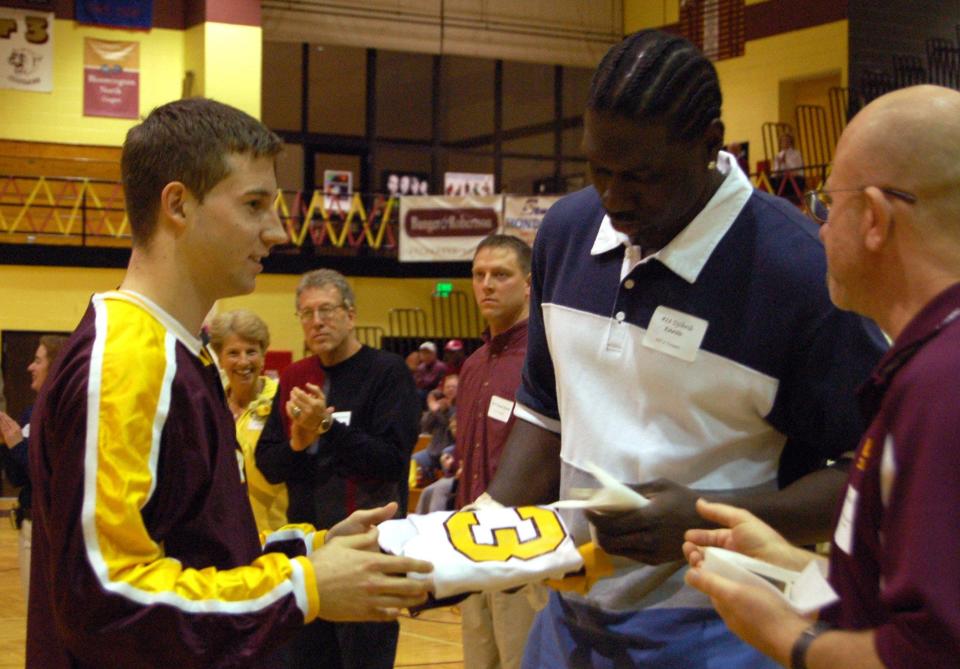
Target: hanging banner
116,13
111,78
522,216
446,229
467,183
26,50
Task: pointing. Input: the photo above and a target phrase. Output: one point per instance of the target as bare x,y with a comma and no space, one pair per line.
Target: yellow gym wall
55,298
751,84
225,60
58,116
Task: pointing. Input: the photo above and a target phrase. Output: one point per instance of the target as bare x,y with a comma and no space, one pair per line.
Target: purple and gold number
549,533
37,30
7,28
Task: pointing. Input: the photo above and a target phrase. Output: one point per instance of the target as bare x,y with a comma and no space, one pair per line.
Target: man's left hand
654,533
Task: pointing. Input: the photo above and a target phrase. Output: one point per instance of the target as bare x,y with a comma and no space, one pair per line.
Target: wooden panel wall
19,158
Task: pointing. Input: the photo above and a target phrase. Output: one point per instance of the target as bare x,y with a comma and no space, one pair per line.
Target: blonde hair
241,322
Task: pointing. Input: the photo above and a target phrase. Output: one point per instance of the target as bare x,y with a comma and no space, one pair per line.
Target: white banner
26,50
522,216
446,229
467,183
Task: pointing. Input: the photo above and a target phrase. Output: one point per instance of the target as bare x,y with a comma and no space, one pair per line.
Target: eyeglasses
323,313
818,202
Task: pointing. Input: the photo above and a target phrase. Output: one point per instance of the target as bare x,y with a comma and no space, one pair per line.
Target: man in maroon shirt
893,253
145,550
495,625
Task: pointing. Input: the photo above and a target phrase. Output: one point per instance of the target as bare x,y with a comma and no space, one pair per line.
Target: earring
712,165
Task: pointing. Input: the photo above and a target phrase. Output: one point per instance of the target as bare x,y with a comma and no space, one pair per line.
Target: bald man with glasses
340,435
891,227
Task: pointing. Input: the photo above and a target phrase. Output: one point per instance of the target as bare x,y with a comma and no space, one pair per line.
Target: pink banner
111,79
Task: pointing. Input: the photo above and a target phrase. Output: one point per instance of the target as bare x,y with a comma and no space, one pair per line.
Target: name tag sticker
675,333
843,536
500,409
342,416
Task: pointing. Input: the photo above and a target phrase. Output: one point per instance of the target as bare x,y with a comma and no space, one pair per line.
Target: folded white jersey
484,550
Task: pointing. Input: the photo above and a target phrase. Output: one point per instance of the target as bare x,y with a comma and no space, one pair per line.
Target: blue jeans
571,634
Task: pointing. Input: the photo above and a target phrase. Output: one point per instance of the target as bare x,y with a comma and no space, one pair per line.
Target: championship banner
446,229
116,13
111,78
26,50
522,216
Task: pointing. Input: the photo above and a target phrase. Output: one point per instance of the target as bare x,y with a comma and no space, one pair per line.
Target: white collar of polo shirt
688,252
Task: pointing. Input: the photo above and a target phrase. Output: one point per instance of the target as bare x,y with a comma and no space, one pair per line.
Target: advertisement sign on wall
522,216
26,50
111,78
446,229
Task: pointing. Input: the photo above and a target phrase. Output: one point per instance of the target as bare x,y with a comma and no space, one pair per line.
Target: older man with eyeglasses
343,426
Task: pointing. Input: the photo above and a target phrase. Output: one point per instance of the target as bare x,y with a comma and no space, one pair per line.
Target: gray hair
241,322
321,278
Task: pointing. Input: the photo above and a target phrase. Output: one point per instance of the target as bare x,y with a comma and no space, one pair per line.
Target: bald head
910,140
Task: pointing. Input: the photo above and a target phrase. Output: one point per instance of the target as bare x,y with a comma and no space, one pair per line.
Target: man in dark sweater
340,435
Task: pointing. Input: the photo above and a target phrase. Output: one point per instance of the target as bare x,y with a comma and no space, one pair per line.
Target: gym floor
430,641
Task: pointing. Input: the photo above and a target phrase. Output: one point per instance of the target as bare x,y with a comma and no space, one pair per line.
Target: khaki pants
23,556
496,624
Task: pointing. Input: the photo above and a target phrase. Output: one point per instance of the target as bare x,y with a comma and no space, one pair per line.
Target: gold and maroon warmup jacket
145,550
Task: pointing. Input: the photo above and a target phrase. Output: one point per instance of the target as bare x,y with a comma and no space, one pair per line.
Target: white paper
611,496
804,591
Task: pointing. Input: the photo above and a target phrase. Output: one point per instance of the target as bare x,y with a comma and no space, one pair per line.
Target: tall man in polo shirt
495,625
680,338
145,550
340,435
893,253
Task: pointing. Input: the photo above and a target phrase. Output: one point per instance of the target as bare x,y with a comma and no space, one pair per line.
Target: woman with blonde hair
240,339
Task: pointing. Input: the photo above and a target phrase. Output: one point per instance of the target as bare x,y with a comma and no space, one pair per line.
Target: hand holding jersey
355,581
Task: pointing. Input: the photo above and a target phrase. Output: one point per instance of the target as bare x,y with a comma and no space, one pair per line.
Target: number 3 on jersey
547,534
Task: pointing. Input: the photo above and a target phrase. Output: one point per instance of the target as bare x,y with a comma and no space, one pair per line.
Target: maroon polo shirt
493,370
895,559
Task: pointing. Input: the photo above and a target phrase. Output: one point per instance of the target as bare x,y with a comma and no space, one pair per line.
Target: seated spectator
787,176
430,371
441,495
436,422
453,355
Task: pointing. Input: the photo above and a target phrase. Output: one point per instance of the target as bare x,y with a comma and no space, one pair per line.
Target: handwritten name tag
500,408
675,333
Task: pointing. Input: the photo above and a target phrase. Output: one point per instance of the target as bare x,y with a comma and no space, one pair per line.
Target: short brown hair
241,322
186,141
517,245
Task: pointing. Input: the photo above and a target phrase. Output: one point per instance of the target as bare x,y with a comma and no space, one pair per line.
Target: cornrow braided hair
652,75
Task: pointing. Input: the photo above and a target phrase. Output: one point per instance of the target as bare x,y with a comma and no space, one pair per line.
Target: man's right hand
355,582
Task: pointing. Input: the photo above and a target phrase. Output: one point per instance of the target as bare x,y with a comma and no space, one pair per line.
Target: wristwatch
325,424
798,654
